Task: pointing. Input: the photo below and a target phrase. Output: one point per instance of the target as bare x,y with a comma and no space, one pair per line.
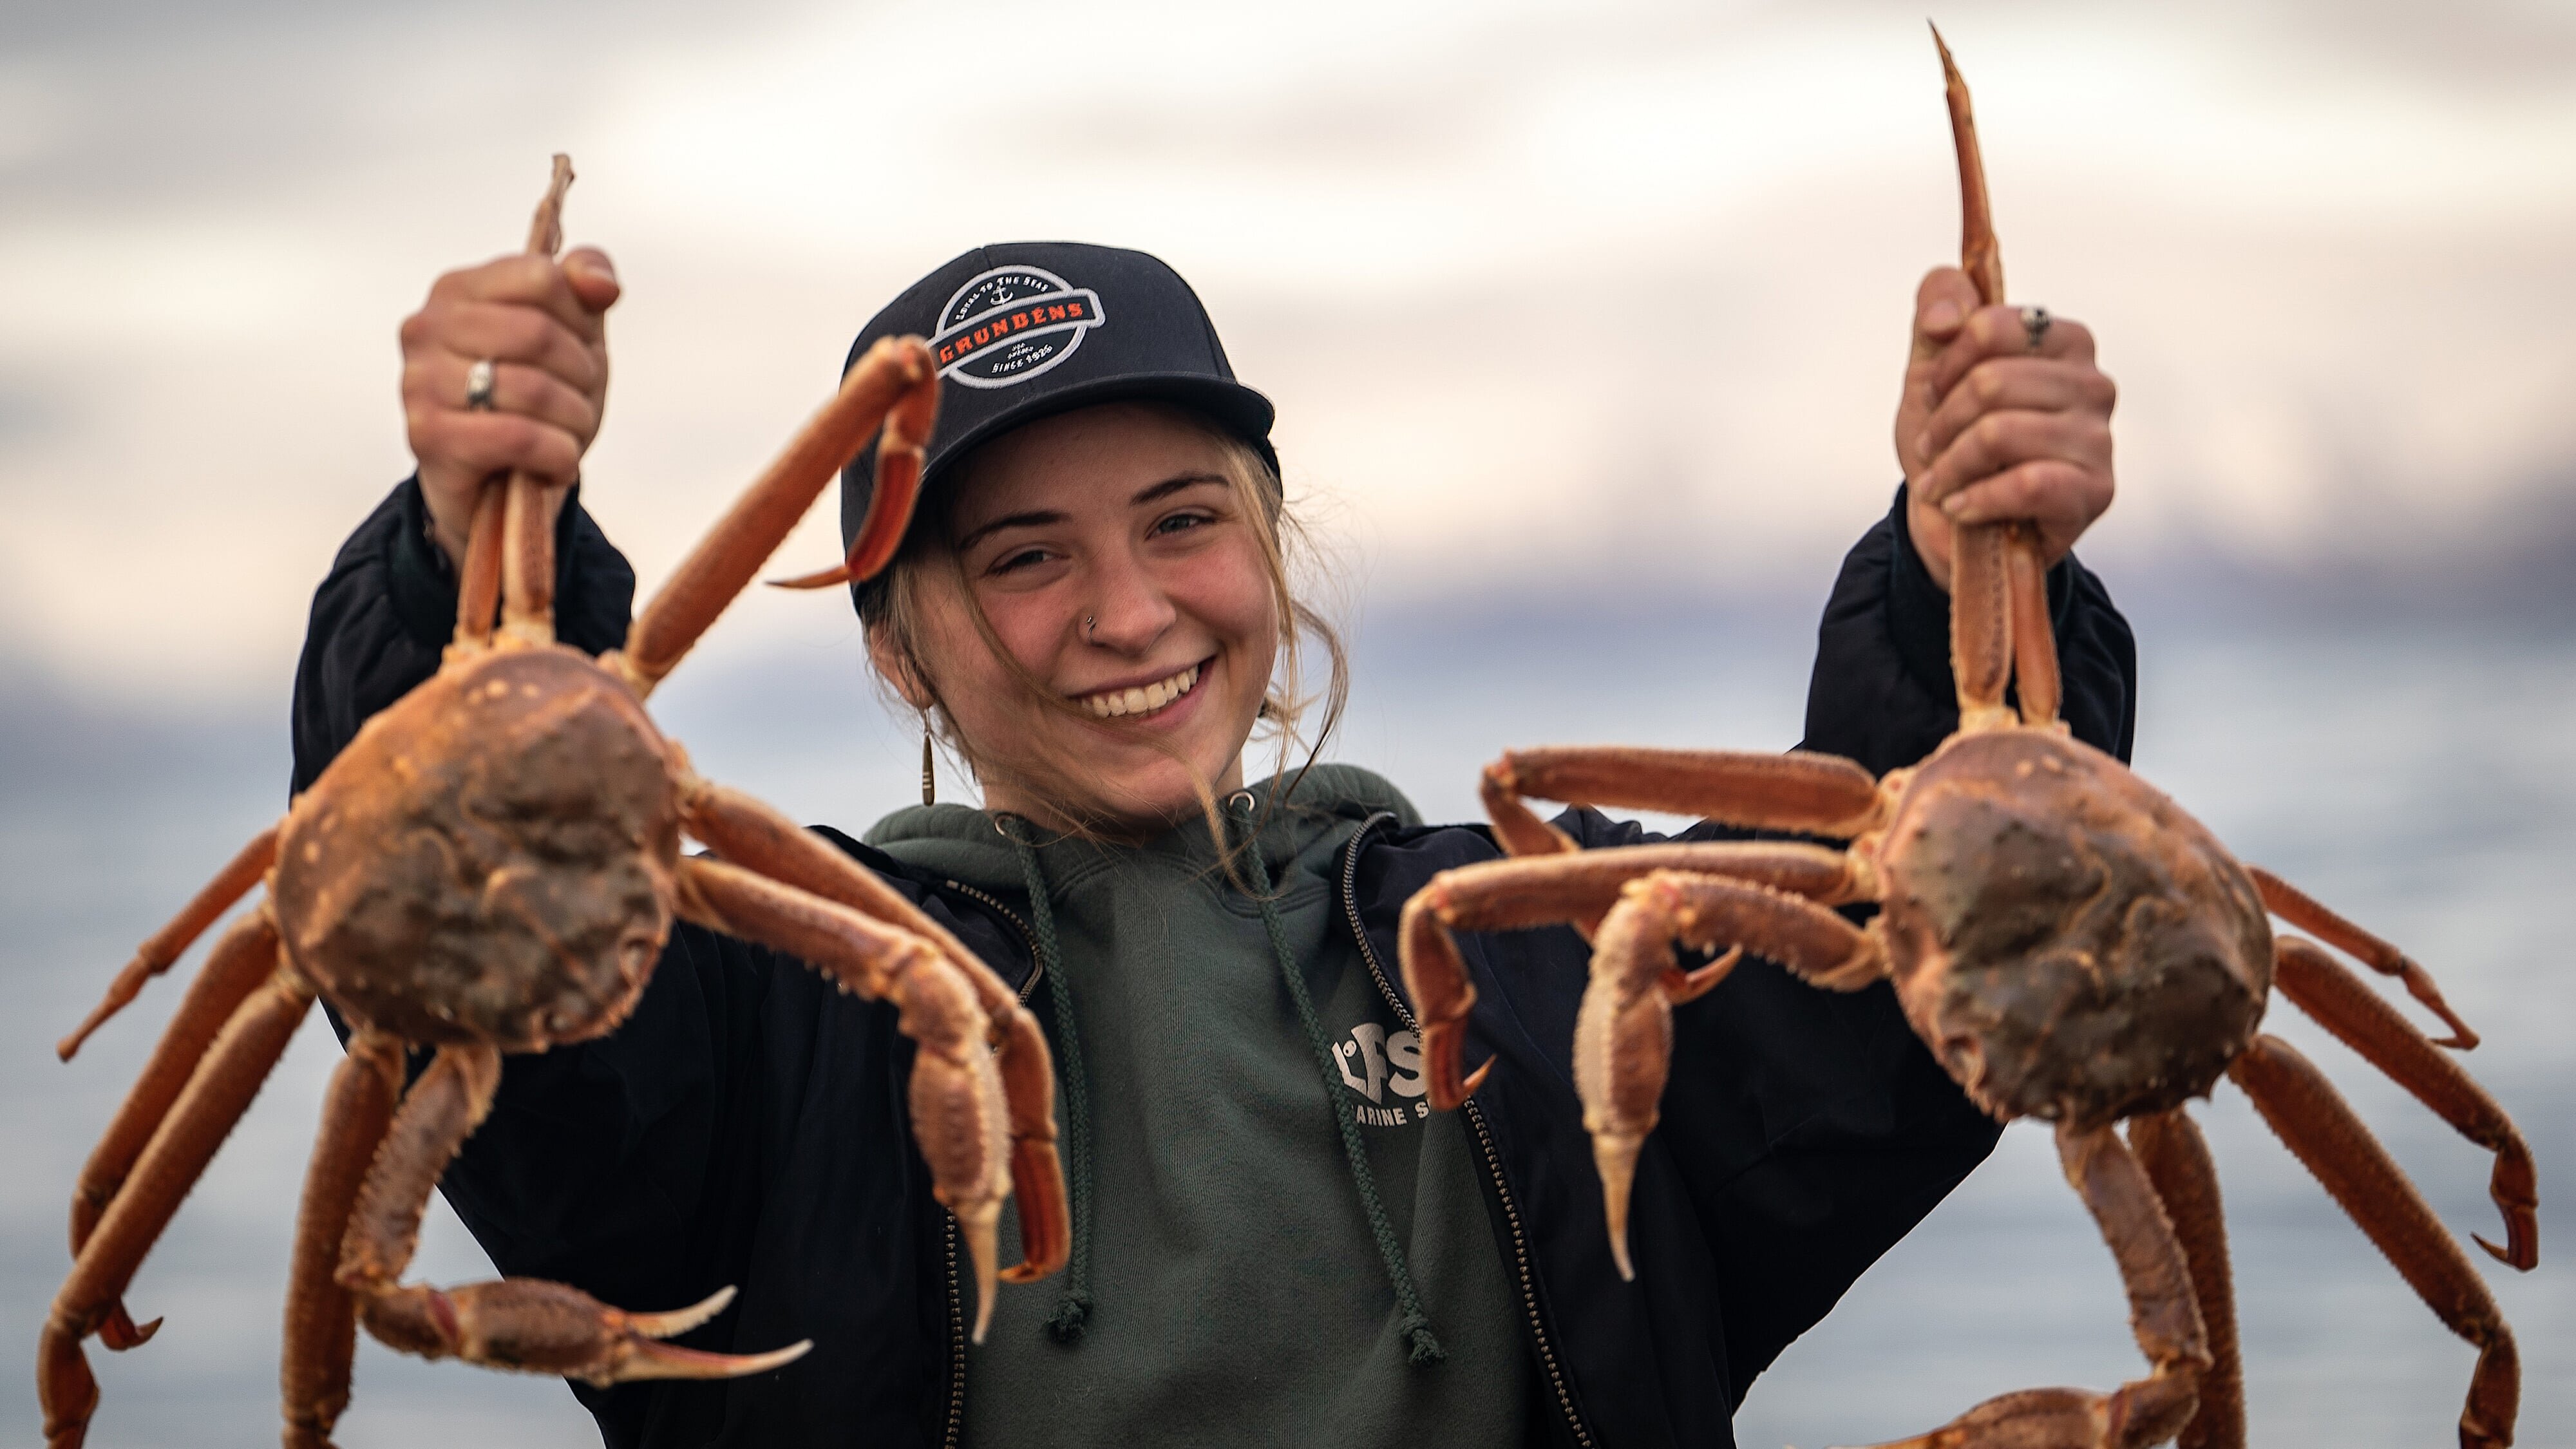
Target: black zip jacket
748,1124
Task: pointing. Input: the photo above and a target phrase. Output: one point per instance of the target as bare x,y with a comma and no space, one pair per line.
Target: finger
526,279
2034,384
1942,303
2004,440
2061,497
440,380
506,332
1998,332
482,444
593,278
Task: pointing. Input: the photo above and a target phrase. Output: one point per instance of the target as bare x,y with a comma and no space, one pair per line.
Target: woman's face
1107,548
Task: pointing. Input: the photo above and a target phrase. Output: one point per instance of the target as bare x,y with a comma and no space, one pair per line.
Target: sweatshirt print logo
1008,325
1386,1069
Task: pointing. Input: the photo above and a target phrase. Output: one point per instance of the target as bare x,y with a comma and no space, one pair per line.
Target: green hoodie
1236,1294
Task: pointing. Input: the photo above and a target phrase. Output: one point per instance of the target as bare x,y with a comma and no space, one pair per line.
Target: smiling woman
1097,612
1094,607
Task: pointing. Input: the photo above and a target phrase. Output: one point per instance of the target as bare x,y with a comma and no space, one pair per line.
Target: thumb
1941,307
593,278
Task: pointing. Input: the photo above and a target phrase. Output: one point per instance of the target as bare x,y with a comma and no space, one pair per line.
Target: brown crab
2071,945
492,866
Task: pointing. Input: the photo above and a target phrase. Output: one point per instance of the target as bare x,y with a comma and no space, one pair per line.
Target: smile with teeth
1145,699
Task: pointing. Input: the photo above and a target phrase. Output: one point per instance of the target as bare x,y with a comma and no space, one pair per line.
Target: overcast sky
1537,286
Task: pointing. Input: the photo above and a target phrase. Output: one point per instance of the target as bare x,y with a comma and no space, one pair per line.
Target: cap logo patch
1010,324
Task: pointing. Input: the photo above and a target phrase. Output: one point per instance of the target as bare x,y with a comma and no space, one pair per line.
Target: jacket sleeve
1882,692
1864,1133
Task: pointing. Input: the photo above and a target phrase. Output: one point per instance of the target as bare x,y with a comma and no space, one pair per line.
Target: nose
1128,610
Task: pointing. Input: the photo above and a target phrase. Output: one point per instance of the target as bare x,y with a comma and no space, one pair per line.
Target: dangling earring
929,782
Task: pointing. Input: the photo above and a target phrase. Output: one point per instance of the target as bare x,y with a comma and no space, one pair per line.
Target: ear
894,664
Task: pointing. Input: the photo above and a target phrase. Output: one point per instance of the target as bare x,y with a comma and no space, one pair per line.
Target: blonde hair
895,610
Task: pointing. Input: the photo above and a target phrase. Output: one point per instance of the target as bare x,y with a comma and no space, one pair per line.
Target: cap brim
1240,410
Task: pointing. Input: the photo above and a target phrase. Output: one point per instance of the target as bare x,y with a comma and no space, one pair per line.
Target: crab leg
528,517
960,1118
478,582
321,1316
896,382
1552,890
2301,910
2162,1314
215,1098
1818,794
172,941
2313,1120
1623,1033
1998,592
2034,636
528,1324
528,558
2169,1146
750,834
244,958
2345,1005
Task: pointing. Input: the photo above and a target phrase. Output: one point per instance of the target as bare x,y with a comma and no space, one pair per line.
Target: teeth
1112,704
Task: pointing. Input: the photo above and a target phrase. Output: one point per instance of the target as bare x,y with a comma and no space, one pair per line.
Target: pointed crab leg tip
680,1320
2522,1256
1475,1079
1619,1255
138,1337
656,1360
99,1016
761,1363
2466,1041
983,1246
837,574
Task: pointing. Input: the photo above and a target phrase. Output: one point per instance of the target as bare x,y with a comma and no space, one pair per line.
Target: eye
1183,521
1018,559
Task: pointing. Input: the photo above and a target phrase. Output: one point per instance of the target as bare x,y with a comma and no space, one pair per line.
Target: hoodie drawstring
1416,1324
1073,1305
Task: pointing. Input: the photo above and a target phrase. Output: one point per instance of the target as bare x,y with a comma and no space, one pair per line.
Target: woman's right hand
540,321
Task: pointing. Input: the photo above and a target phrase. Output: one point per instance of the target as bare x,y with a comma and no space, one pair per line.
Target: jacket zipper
1521,1264
948,1226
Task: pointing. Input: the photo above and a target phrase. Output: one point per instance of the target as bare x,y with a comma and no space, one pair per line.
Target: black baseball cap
1022,330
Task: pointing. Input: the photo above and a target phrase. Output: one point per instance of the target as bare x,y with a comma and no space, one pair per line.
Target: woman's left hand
1990,429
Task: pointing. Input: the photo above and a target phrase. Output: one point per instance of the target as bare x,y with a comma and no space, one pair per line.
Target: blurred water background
2414,767
1584,319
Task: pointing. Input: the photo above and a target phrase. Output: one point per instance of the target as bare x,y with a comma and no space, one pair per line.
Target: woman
1274,1242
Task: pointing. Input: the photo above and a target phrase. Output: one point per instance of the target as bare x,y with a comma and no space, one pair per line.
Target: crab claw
120,1333
653,1359
536,1326
680,1320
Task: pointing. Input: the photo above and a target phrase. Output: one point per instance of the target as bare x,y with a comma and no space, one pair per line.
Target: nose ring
1088,622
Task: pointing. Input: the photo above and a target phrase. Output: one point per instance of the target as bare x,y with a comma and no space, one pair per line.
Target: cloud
1542,289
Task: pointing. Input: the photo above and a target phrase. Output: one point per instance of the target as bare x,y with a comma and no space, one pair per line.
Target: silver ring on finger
2035,323
478,386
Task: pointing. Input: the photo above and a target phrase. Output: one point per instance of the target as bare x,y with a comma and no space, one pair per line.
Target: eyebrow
1040,518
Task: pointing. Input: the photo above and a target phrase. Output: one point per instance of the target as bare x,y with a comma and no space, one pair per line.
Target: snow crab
2070,944
492,866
